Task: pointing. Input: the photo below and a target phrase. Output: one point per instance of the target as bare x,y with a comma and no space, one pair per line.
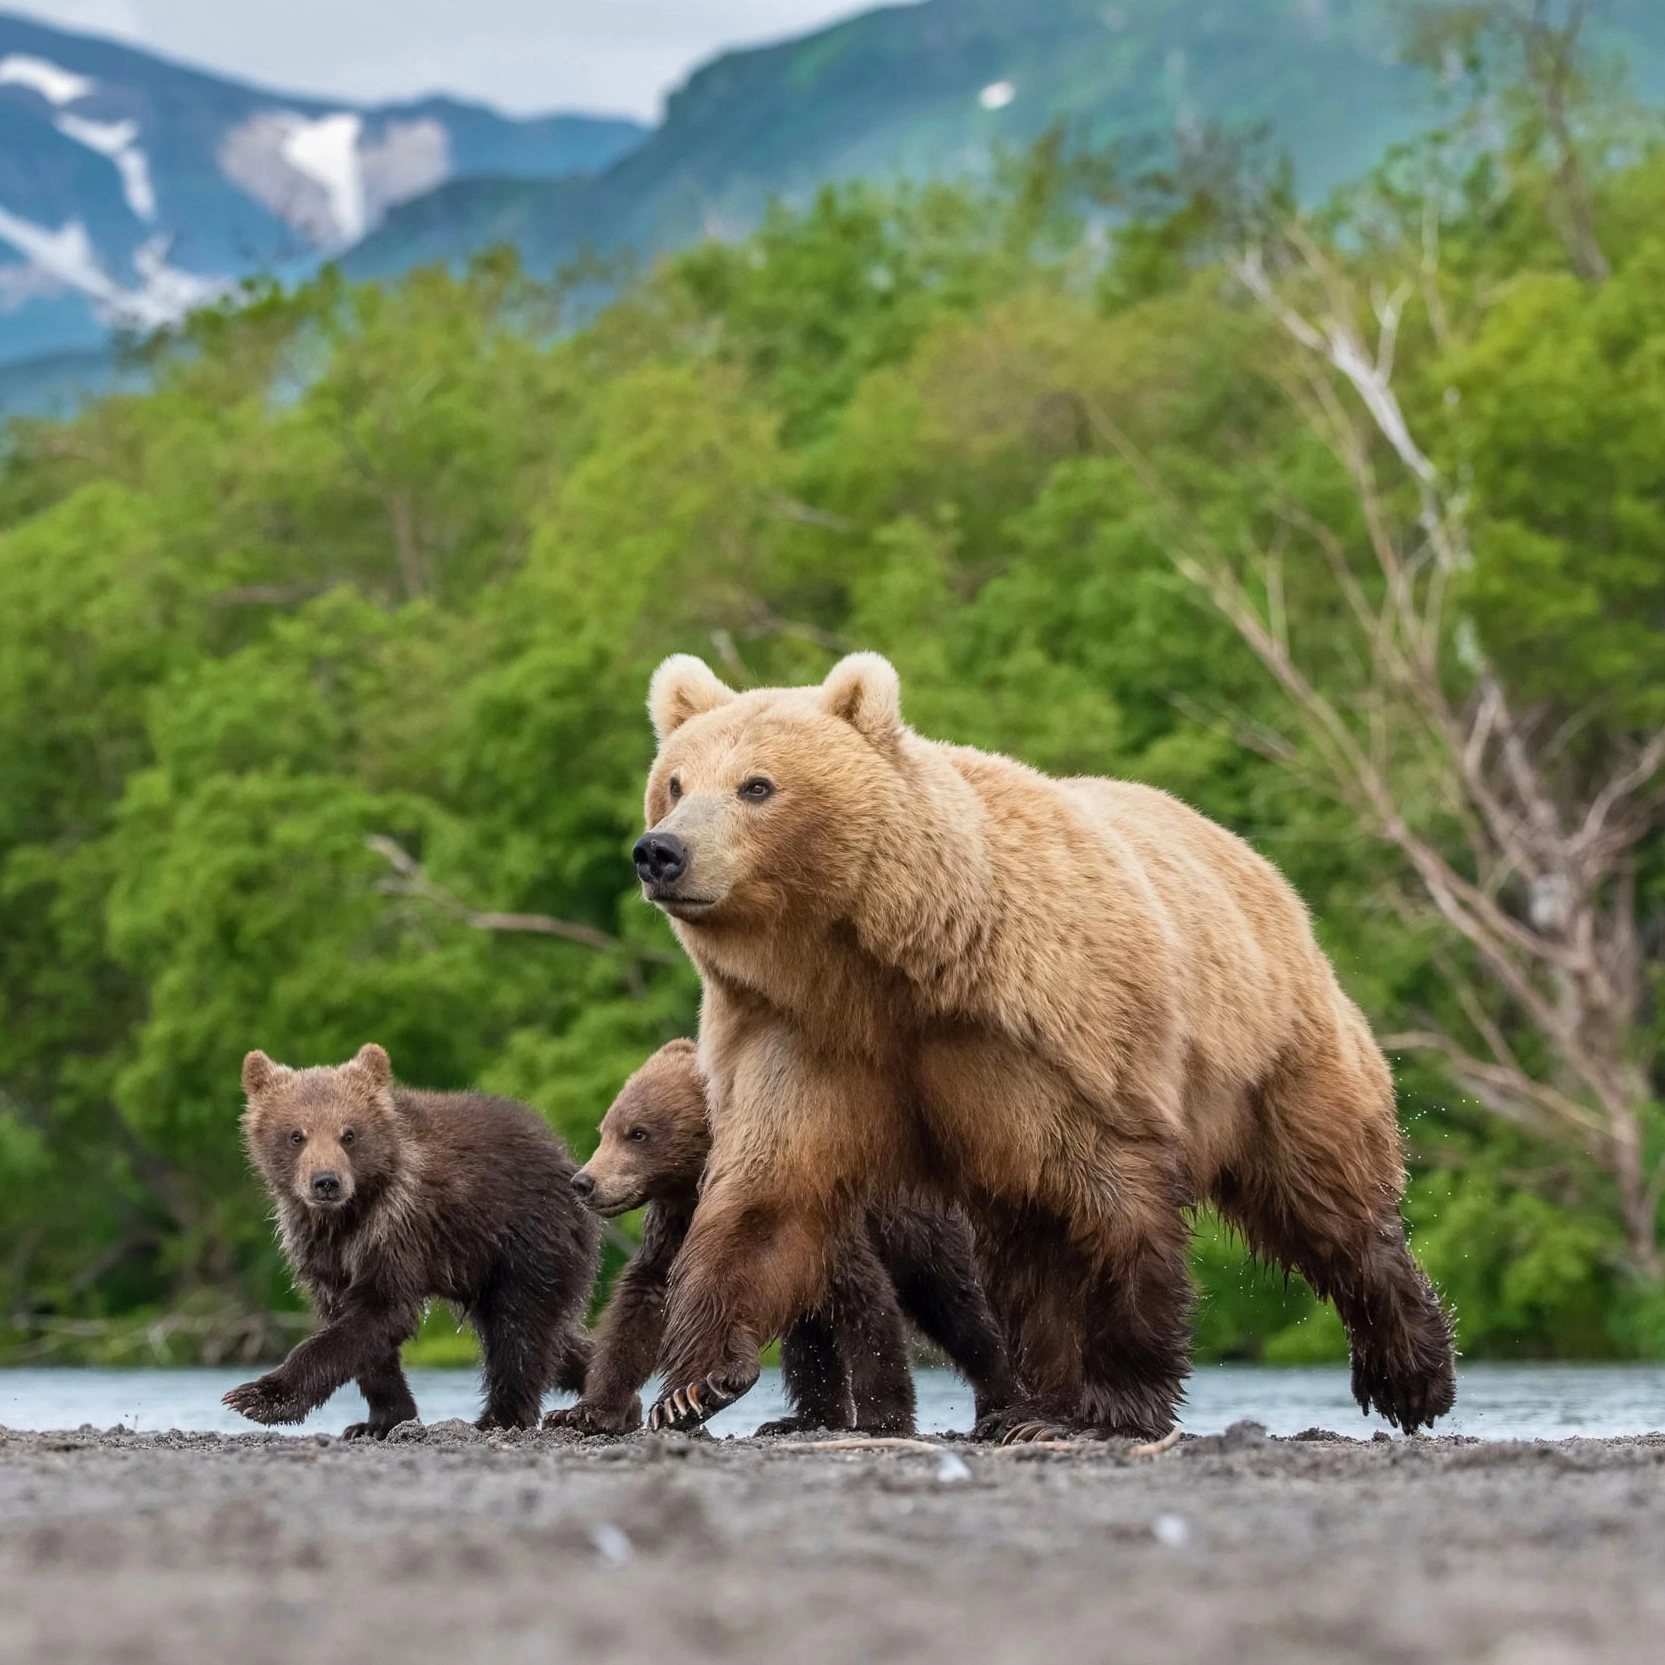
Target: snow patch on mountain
26,282
54,84
409,158
326,177
326,152
66,256
115,140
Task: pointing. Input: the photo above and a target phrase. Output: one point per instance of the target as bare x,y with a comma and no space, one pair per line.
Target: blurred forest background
323,661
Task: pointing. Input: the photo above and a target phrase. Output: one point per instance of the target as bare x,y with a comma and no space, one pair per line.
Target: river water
1494,1401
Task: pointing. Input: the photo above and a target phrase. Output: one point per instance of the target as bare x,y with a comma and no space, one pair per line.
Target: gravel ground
446,1545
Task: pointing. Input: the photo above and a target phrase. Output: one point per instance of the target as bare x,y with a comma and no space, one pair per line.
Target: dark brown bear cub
846,1362
387,1198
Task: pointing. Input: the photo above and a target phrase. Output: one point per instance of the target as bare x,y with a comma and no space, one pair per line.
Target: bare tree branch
410,879
1542,893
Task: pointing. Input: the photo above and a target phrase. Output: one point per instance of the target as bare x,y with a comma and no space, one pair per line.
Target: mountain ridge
934,87
133,186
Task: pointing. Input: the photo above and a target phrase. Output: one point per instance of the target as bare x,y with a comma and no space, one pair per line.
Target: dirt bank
198,1549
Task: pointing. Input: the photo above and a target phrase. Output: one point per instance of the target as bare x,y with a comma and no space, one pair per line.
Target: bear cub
388,1198
845,1363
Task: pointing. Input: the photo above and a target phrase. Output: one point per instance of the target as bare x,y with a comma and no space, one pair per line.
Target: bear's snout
326,1187
583,1186
661,858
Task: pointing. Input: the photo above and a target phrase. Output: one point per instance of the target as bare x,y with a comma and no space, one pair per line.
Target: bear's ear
681,688
864,691
259,1072
372,1061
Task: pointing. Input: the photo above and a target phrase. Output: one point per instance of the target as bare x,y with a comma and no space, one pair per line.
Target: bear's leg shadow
931,1259
1321,1198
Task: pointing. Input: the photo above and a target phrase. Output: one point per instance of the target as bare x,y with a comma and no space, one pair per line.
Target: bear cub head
768,799
322,1137
654,1139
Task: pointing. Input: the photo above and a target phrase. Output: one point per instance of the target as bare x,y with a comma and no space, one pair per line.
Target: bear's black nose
583,1185
660,858
326,1187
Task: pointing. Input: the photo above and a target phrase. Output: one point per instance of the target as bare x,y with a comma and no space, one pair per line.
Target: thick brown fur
387,1198
1075,1006
845,1361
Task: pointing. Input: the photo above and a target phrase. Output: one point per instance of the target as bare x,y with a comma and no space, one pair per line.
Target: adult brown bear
1076,1006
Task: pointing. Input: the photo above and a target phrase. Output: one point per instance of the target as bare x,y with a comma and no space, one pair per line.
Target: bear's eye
348,1137
297,1137
755,789
636,1135
675,789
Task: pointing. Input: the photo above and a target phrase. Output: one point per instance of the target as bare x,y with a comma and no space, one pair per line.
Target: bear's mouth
610,1208
678,905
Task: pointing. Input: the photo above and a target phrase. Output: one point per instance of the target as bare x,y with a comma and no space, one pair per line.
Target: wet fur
1075,1007
454,1196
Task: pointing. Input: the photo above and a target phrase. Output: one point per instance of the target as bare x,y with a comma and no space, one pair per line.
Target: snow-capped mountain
132,188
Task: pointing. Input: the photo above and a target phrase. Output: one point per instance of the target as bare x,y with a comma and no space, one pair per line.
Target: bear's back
488,1167
1187,917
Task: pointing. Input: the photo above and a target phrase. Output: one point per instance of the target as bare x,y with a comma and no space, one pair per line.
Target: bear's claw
1029,1433
265,1400
1017,1425
687,1408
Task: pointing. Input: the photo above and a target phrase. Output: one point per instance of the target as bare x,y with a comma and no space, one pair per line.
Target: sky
523,56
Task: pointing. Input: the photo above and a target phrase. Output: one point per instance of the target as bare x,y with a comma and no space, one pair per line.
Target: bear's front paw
268,1399
584,1418
686,1408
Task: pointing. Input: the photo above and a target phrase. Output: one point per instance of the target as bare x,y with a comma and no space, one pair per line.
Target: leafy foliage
395,564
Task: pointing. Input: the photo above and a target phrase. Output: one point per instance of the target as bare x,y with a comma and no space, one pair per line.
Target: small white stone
997,95
611,1544
952,1469
1170,1531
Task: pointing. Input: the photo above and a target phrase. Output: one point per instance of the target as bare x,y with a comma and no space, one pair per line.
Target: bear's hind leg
1100,1336
1330,1212
1398,1331
1136,1345
1033,1280
1404,1352
931,1258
